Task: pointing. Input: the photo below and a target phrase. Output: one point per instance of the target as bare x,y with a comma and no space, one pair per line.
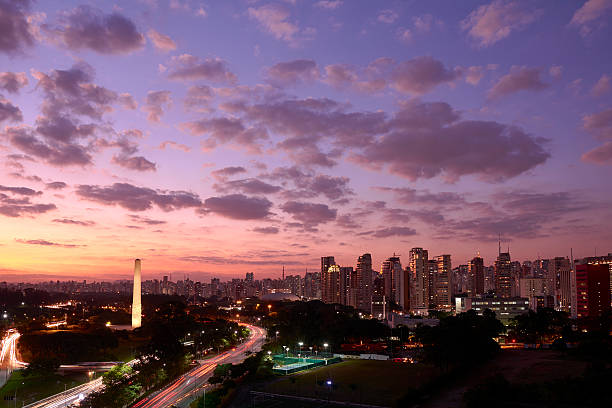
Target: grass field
36,387
362,381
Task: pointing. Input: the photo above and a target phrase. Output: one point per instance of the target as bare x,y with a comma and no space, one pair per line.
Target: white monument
136,299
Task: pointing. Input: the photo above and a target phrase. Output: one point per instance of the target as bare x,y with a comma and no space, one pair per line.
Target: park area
371,382
27,389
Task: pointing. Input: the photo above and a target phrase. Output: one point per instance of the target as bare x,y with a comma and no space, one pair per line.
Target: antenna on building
283,272
499,245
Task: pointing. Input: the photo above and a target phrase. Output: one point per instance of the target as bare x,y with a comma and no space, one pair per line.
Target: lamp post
325,345
300,344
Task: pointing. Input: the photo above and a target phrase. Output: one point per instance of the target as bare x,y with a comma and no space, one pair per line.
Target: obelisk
136,304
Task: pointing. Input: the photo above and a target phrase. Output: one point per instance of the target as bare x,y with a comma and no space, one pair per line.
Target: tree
461,340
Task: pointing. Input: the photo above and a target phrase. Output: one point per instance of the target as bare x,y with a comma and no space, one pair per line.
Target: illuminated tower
136,303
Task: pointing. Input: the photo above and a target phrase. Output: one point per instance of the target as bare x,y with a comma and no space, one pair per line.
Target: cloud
160,41
226,130
138,198
199,96
9,112
391,232
24,191
46,243
420,75
90,28
556,71
427,139
407,195
387,16
225,172
145,220
308,184
602,87
155,102
137,163
310,214
585,17
238,260
12,81
54,153
328,4
12,206
238,206
266,230
174,145
495,21
474,74
600,155
248,186
292,72
56,185
599,124
274,19
127,101
64,134
70,221
518,79
15,30
187,67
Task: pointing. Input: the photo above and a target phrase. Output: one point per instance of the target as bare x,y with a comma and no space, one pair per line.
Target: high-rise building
432,266
249,277
346,273
312,285
443,283
363,283
600,260
403,289
419,290
476,277
593,290
559,278
330,285
533,289
503,276
136,296
391,270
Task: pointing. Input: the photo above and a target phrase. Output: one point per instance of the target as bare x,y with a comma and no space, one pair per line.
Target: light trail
73,395
186,386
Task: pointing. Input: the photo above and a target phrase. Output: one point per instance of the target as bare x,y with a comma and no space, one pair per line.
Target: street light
300,344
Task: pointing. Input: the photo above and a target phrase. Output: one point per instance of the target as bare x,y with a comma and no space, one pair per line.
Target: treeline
316,323
231,376
164,356
67,347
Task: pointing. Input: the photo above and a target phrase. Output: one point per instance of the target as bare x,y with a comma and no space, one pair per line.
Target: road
192,384
8,356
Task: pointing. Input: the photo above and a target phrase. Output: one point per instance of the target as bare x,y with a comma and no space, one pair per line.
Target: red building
592,289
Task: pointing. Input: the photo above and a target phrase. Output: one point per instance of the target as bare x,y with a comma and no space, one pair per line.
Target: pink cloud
495,21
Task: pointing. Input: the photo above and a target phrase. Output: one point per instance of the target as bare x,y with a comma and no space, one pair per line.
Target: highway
185,389
182,390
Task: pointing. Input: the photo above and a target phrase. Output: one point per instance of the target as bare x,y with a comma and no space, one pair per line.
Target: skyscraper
364,276
443,283
559,277
503,276
419,281
476,277
136,297
391,270
330,285
593,290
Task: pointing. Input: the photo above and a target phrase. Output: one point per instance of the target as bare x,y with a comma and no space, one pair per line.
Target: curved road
185,389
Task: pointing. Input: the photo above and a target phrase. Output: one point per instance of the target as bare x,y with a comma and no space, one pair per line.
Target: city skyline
214,139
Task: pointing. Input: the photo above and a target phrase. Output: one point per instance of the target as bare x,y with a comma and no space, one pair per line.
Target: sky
214,138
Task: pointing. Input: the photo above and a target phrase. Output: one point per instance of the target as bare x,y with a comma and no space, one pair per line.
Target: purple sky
220,137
